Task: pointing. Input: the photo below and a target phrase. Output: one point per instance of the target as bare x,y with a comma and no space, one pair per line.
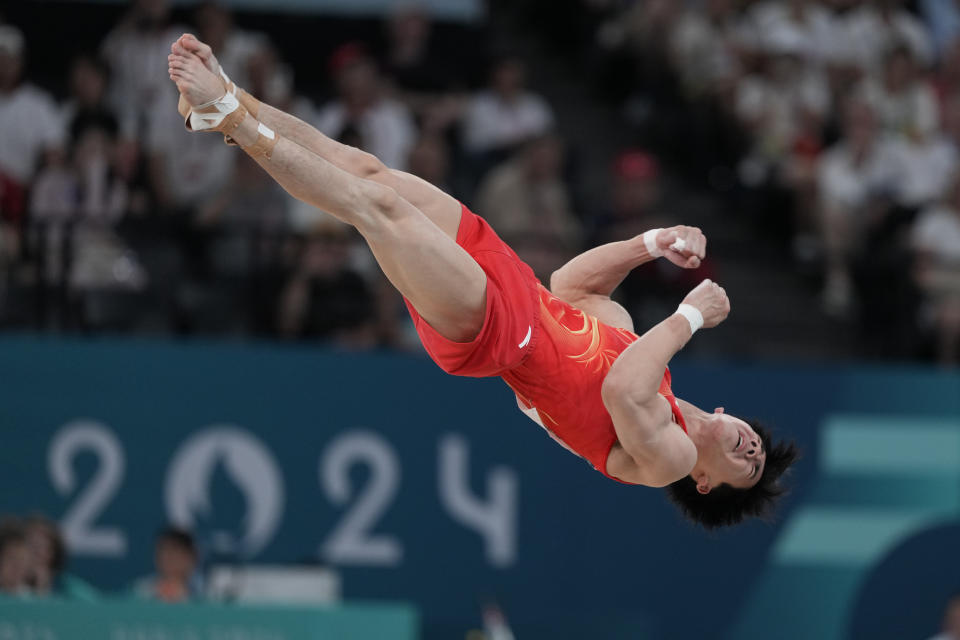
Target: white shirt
139,78
29,125
937,231
387,129
868,37
925,169
491,122
196,165
814,32
702,50
845,183
913,110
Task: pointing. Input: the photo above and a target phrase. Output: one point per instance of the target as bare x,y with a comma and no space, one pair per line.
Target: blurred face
14,566
508,77
87,83
10,68
358,81
410,27
899,71
729,452
544,158
173,561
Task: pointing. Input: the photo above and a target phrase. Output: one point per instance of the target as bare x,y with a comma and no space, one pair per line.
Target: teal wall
426,488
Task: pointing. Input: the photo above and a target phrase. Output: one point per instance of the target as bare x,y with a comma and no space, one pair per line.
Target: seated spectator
410,60
703,48
48,560
505,114
233,47
176,563
14,559
326,297
385,126
136,51
935,240
782,108
904,101
527,202
30,127
430,160
853,178
813,26
272,81
875,28
90,195
89,79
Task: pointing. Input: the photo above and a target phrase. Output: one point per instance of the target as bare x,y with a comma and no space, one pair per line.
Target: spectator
951,621
48,559
635,198
233,47
527,202
904,101
326,297
89,79
853,177
410,61
30,127
875,28
935,240
90,195
506,114
272,81
430,160
812,25
703,48
385,126
136,51
14,559
176,562
185,170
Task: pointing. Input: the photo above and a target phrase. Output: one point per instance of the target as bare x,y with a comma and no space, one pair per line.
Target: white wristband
693,316
650,240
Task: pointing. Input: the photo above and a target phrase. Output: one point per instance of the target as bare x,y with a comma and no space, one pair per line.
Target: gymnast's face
728,451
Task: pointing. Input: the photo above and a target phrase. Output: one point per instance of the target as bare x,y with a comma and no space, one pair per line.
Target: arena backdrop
425,488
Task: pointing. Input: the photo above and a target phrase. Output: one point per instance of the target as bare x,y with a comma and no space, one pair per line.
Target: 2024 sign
253,468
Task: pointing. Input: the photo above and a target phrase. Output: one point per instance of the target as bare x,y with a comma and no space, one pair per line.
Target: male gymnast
568,353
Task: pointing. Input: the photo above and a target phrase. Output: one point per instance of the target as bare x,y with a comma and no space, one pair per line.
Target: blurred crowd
833,126
116,218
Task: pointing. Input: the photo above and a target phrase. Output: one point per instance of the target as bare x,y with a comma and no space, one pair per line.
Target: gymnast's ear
703,483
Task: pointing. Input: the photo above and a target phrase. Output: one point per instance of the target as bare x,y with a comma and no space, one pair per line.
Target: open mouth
739,442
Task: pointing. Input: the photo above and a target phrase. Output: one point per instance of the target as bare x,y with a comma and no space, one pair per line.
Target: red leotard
553,356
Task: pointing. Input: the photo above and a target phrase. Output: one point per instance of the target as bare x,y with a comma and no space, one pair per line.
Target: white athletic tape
225,105
650,240
679,245
264,130
693,316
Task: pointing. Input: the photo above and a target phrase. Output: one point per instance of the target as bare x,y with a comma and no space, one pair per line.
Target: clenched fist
683,246
711,300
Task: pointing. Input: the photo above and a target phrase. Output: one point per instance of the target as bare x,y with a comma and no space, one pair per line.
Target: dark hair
11,533
58,557
726,505
178,537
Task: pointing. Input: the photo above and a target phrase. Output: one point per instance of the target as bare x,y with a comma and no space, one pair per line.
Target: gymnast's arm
588,280
651,449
